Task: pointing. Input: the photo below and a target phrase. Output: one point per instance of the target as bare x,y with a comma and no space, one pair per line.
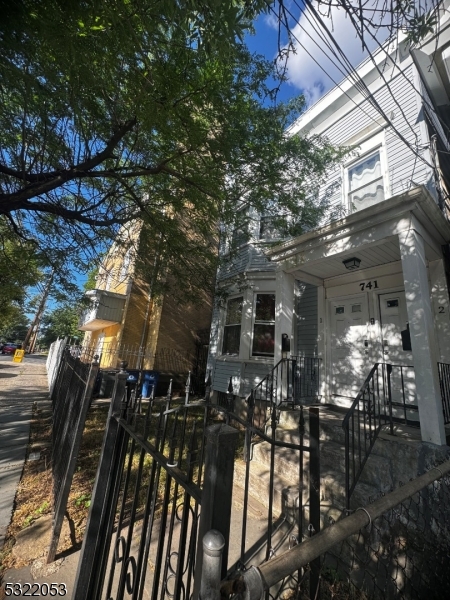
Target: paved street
21,384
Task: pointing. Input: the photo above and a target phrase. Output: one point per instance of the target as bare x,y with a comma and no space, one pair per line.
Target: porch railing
362,424
292,381
374,407
444,382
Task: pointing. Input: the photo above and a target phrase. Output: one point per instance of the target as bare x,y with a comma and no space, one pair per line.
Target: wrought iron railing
363,422
291,382
444,382
375,406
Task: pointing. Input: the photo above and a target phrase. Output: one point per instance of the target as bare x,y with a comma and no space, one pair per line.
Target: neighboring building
126,322
372,285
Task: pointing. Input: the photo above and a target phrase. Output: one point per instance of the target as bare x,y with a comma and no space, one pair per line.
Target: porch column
423,341
284,310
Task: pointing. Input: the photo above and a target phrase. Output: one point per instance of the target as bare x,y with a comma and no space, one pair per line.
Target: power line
351,73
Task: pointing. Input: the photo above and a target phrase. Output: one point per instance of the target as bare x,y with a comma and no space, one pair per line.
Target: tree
61,322
14,328
113,111
19,269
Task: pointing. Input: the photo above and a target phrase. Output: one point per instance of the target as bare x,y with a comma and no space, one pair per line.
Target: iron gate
165,479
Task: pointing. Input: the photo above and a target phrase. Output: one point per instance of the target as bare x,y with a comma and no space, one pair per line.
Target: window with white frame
263,343
366,177
232,328
268,230
125,264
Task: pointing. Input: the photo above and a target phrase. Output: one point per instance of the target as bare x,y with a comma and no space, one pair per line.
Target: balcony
106,309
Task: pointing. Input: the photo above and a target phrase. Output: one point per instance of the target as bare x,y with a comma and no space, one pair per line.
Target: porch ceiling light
351,263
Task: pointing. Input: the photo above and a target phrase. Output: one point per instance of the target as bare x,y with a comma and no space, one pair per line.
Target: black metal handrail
363,423
444,382
292,381
372,409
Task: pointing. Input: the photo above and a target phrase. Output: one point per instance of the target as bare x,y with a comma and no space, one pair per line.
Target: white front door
396,345
349,345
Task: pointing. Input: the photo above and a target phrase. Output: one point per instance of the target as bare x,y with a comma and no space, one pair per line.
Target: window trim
254,322
366,149
225,325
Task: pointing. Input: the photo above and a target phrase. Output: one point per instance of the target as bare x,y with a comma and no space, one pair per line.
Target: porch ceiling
370,235
331,266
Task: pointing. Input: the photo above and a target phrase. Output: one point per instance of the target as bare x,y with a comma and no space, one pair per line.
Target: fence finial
188,388
169,391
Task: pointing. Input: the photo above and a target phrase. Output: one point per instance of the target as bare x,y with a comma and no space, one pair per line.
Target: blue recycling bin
133,376
149,382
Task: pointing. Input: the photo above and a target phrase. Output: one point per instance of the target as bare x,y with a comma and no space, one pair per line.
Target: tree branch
43,183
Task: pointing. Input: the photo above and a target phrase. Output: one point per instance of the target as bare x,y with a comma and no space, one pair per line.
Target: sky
305,75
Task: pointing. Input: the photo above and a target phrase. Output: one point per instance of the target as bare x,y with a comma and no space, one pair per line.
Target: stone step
286,493
286,461
332,460
330,423
259,486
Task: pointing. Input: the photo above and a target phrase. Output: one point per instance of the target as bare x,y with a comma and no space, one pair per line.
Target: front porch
391,308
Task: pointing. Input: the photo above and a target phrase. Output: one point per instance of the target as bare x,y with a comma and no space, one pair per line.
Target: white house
372,285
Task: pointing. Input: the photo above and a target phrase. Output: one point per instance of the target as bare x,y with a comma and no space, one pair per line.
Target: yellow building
126,321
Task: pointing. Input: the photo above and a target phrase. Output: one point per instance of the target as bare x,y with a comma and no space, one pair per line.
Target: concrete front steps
394,459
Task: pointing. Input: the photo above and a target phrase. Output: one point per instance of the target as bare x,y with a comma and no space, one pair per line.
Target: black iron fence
166,478
387,395
396,547
71,397
291,382
169,363
444,381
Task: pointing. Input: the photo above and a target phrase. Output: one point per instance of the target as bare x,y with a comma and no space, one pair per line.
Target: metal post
230,397
213,545
314,494
389,371
221,443
187,388
94,551
208,387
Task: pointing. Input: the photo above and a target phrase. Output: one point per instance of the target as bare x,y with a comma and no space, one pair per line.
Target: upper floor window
366,177
232,329
366,183
264,325
268,230
125,264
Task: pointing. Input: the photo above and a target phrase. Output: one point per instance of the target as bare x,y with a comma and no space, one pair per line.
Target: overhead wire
350,72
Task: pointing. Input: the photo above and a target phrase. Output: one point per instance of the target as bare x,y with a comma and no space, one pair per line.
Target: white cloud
304,72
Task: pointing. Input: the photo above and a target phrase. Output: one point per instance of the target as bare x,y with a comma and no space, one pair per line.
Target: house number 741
368,285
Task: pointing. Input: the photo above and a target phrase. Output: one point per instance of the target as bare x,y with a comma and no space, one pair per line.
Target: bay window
232,328
264,325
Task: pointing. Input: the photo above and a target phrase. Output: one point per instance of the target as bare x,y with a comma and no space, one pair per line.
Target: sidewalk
21,384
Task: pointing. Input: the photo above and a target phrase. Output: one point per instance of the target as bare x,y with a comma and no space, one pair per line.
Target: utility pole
30,338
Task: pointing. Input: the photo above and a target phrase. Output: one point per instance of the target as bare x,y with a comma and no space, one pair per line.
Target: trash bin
149,381
133,376
97,384
108,379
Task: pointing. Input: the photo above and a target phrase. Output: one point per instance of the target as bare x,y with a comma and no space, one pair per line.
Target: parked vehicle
10,348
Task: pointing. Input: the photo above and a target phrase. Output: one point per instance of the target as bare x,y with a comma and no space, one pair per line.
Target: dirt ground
29,533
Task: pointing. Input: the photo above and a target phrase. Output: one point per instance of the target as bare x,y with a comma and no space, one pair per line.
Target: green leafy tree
122,110
14,328
19,269
61,322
